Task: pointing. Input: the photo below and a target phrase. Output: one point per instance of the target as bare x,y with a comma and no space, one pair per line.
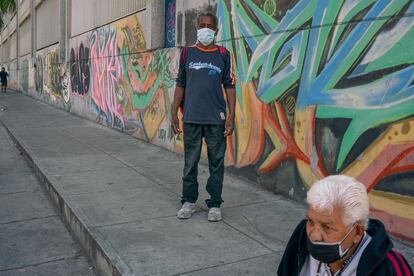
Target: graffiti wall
324,87
24,74
170,15
11,68
51,77
121,83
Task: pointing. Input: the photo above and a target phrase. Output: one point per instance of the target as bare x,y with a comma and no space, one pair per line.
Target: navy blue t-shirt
203,75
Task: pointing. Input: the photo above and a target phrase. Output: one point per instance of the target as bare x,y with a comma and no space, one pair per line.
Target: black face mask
327,252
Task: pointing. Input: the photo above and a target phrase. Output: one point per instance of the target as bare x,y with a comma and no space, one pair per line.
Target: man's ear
216,31
360,229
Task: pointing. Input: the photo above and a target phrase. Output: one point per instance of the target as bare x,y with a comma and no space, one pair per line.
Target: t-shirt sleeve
181,77
229,78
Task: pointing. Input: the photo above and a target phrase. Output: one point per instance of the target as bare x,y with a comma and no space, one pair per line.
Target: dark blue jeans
216,148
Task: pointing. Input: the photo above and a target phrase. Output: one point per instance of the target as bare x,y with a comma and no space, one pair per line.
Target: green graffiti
270,7
157,71
349,59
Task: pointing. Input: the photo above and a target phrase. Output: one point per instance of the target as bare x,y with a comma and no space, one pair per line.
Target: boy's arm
231,103
178,97
229,83
178,93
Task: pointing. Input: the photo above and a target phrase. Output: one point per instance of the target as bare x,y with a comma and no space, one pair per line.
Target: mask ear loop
343,253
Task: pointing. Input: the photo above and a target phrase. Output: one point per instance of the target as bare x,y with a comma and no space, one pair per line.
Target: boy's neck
208,47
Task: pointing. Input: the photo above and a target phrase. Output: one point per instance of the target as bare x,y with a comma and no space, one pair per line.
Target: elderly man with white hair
338,238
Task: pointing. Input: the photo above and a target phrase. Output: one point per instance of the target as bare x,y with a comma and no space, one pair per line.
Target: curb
104,258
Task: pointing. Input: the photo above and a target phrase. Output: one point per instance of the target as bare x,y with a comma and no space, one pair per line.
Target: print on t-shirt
212,69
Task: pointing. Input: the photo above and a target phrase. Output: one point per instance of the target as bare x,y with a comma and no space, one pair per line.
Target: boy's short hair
211,15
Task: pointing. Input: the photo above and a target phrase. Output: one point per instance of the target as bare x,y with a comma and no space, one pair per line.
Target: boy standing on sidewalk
204,70
3,79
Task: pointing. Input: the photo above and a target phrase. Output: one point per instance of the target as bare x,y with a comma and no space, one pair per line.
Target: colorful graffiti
345,70
147,80
107,74
51,77
325,87
129,87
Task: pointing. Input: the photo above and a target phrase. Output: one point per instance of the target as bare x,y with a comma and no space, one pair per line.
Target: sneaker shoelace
214,210
188,206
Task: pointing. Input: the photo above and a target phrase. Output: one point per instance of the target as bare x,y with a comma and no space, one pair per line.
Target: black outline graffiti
39,74
80,70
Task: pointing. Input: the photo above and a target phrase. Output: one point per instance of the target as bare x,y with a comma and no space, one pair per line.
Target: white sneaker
214,214
186,211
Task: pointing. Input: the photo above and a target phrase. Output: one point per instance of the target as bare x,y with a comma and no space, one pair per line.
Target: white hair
342,193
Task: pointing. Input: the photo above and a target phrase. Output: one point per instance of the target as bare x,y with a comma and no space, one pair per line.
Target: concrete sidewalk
120,197
33,239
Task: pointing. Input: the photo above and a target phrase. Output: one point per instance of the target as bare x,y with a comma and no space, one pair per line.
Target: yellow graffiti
397,134
402,206
249,130
155,114
303,134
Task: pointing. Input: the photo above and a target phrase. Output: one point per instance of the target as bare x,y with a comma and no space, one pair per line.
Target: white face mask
205,36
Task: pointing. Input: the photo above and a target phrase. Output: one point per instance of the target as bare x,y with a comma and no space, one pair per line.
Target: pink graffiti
107,73
170,20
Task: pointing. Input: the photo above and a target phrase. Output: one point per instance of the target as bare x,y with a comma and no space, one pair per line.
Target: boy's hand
229,127
175,124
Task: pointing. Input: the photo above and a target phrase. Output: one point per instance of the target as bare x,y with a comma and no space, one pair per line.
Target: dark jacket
3,76
377,259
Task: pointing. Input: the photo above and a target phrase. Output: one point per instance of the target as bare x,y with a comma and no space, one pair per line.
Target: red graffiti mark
391,160
398,226
277,122
404,165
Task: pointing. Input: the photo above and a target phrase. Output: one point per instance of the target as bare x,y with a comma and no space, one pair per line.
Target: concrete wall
12,47
25,46
90,14
4,51
324,87
47,23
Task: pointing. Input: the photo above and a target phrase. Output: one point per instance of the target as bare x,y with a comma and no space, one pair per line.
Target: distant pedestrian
3,79
205,69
